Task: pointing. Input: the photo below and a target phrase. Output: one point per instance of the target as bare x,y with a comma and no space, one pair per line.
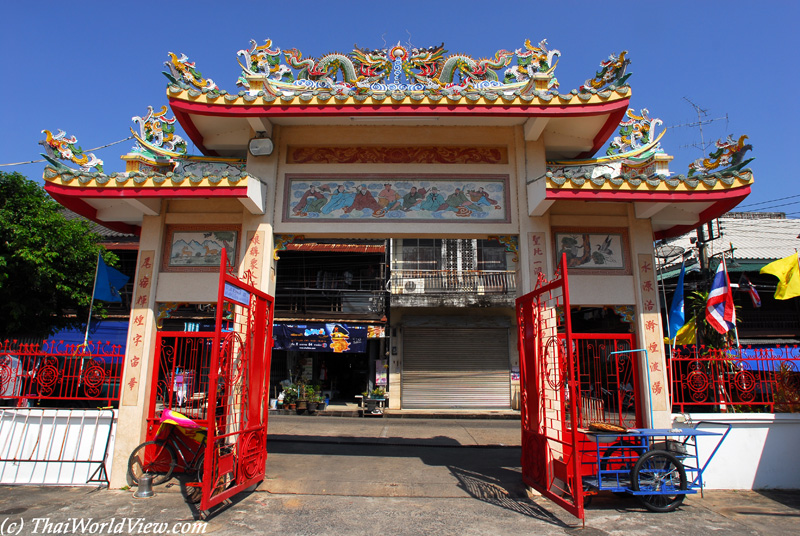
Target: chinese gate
551,461
221,381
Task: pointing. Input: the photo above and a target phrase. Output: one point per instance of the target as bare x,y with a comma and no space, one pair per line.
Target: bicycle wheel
193,485
155,458
659,471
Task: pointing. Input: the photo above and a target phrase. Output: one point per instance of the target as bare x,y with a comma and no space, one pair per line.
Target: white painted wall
53,434
760,452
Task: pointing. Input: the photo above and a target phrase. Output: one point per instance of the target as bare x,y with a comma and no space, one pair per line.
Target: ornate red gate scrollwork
238,390
551,461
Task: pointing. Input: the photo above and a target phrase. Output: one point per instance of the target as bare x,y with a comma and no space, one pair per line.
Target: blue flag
676,315
109,281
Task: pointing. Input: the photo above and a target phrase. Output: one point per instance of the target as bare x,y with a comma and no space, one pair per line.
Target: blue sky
88,67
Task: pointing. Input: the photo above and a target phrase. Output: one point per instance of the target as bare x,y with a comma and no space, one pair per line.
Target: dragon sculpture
634,133
533,60
61,147
325,69
471,71
159,131
729,156
181,69
612,71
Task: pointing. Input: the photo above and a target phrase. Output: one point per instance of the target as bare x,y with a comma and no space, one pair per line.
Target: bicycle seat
173,417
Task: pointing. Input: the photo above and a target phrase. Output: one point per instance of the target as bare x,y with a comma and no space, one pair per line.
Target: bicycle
159,457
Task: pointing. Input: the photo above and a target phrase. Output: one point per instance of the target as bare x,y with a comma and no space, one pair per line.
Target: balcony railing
479,282
741,380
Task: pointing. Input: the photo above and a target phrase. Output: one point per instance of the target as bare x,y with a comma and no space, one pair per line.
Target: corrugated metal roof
753,239
105,232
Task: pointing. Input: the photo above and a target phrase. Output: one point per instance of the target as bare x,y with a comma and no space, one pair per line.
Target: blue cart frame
658,466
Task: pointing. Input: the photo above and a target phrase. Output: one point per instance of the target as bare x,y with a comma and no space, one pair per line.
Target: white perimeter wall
54,434
760,452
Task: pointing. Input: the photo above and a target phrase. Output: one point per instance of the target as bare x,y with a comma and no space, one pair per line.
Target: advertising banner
319,337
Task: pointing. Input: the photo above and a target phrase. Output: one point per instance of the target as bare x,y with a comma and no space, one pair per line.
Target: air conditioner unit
414,286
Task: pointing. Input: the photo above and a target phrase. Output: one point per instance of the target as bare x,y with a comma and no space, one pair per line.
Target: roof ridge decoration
159,131
729,156
183,70
397,72
612,72
60,147
635,133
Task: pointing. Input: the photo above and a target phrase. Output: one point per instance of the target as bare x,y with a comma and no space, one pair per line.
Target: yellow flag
687,334
787,270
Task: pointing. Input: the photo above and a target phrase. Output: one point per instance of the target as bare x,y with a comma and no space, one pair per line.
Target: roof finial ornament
61,147
728,156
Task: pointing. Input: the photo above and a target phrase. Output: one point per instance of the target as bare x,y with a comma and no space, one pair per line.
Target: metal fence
445,281
58,373
735,379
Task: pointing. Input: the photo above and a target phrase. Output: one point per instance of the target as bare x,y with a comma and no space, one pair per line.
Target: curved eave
613,104
674,206
121,201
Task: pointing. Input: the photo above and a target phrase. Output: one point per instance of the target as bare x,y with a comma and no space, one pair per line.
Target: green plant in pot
290,396
378,393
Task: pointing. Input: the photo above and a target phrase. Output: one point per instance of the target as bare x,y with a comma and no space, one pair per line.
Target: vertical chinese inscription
138,327
651,326
538,255
253,256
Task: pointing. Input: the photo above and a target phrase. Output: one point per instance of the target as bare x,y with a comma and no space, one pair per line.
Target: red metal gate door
551,461
236,448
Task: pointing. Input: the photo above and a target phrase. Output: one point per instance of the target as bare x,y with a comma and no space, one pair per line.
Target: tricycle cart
658,466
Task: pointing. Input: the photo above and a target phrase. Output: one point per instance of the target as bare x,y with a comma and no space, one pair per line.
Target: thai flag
745,284
720,311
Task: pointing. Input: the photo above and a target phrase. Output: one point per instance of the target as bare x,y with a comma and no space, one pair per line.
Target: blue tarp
767,358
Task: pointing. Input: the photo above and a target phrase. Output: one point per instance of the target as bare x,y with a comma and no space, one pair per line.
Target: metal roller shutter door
454,368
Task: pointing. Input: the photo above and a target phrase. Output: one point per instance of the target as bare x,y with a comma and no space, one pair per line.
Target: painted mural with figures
470,198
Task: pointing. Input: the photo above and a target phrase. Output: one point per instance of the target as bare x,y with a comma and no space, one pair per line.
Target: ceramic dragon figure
183,70
728,156
634,132
427,61
325,69
471,71
373,66
532,60
159,130
61,147
612,71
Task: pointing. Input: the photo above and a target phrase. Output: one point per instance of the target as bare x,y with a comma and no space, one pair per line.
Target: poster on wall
320,337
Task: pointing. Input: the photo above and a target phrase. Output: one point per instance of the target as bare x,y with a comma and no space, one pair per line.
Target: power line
770,201
87,150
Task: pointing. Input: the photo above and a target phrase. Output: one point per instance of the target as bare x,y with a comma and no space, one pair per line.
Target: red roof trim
724,200
171,192
183,111
655,197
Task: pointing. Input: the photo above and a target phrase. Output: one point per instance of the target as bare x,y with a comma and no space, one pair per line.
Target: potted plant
312,395
290,396
378,393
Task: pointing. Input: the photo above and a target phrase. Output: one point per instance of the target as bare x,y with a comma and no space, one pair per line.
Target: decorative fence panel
56,373
735,379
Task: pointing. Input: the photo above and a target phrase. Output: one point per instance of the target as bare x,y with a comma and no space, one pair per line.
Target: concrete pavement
390,476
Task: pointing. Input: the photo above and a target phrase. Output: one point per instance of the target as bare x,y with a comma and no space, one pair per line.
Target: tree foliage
47,262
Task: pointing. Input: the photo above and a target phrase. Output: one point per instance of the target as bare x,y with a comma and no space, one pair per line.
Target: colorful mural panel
463,198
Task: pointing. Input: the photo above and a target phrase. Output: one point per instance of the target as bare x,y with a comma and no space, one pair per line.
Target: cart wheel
660,472
618,458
